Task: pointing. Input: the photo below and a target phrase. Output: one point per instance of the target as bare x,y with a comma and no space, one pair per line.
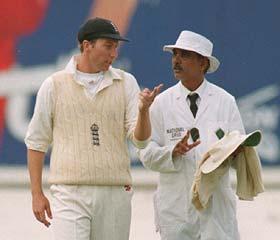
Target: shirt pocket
212,128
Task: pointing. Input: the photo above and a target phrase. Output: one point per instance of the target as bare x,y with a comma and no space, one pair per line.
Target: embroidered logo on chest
95,134
175,133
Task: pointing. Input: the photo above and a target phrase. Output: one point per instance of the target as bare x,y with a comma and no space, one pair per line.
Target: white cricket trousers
82,212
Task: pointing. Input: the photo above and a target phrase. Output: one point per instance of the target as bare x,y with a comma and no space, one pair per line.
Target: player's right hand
41,208
147,97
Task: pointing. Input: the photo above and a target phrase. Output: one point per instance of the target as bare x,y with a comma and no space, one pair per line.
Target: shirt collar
71,65
200,90
184,92
71,68
88,78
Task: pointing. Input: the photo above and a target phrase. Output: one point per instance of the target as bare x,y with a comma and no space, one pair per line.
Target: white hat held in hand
223,148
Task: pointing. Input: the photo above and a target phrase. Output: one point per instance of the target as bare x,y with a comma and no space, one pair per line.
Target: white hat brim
212,163
213,61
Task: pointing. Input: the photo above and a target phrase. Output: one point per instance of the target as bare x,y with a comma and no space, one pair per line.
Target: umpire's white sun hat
223,148
191,41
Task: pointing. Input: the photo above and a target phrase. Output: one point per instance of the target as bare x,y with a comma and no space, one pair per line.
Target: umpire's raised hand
183,146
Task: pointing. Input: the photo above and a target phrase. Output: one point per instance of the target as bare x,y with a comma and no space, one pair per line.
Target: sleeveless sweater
89,138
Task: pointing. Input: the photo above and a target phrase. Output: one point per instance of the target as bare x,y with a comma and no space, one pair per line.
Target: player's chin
106,66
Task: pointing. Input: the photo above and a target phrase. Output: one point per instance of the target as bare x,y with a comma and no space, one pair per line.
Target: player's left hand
147,97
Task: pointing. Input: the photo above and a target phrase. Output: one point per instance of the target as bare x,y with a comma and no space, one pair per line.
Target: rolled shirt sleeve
39,132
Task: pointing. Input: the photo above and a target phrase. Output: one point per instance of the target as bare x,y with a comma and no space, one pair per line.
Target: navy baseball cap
99,28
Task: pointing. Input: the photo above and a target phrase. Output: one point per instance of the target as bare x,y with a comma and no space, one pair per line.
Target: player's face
102,53
187,65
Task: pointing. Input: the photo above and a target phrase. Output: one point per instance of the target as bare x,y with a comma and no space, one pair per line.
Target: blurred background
38,37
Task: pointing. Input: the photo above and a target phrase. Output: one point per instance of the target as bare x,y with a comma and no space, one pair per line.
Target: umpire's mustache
177,67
